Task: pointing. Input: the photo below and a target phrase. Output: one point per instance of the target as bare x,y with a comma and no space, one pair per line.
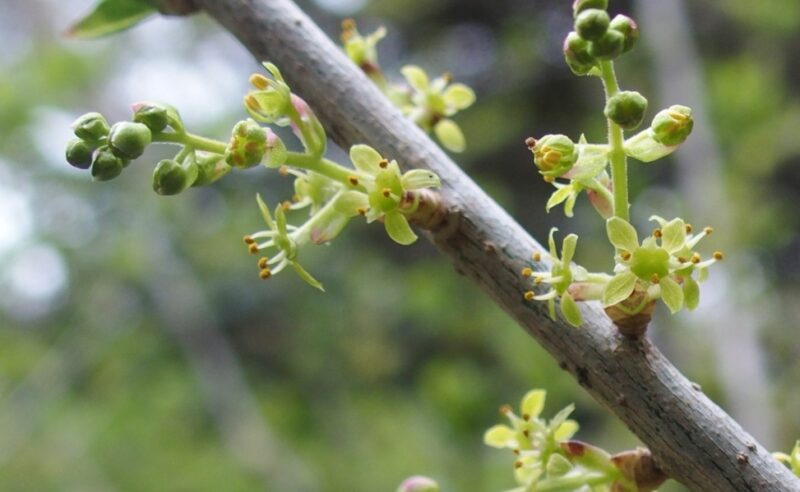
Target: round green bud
576,54
153,116
91,126
79,153
128,140
170,178
591,24
672,126
554,155
580,5
628,28
609,46
247,146
626,109
106,165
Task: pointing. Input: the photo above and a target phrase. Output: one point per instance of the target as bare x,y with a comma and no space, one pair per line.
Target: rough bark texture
693,440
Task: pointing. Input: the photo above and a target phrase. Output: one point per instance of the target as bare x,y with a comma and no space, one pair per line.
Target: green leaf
672,294
673,235
691,293
450,135
619,288
622,234
533,403
398,229
265,211
365,158
307,278
109,17
569,308
416,77
459,96
558,196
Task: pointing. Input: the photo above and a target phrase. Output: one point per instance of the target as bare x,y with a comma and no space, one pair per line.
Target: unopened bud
626,109
128,140
592,24
673,125
106,165
170,178
153,116
210,168
609,46
580,5
418,483
628,28
576,54
554,155
79,153
91,126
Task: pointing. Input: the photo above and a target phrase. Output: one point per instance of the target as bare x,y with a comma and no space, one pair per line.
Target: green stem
564,484
616,154
325,167
195,141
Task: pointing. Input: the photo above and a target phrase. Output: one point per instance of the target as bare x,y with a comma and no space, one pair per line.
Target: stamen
386,192
654,278
265,274
708,230
530,142
536,256
248,240
259,81
625,255
352,180
526,417
383,163
682,259
518,464
283,170
286,205
549,179
527,272
688,228
696,258
504,409
718,255
361,211
251,102
253,248
262,263
657,233
515,451
538,280
529,295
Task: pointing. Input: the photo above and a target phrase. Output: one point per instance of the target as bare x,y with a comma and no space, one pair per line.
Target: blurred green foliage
140,351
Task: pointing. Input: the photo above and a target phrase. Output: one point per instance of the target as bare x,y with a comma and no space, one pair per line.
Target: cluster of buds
791,460
430,104
106,150
597,37
545,457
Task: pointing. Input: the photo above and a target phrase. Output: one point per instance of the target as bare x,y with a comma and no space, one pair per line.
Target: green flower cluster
792,460
546,458
333,194
664,266
430,104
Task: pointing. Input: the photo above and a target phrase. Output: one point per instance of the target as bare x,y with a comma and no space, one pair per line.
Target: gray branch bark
693,440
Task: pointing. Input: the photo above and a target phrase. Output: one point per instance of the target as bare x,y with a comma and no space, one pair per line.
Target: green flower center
649,261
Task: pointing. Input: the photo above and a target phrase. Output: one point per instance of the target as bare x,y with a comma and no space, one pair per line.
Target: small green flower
792,460
251,144
270,102
561,275
554,155
432,103
283,238
662,265
672,126
362,49
387,189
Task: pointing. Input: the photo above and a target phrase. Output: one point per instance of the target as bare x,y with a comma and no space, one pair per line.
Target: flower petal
619,288
459,96
265,211
450,135
365,158
569,308
672,294
398,229
420,178
558,196
500,436
673,235
568,249
566,430
622,234
307,278
416,77
533,403
691,293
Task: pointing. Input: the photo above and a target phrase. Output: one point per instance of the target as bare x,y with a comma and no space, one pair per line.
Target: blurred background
140,351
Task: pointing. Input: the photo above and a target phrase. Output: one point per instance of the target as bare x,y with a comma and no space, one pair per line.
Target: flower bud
609,46
247,146
210,168
626,109
79,153
580,5
153,116
128,140
554,155
418,483
628,28
673,125
106,165
592,24
91,126
576,54
170,178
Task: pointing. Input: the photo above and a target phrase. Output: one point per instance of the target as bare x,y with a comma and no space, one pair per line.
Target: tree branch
693,440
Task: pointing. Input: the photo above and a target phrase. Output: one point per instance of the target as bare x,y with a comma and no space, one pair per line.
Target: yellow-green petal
672,294
622,234
459,96
533,403
500,436
619,288
398,229
450,135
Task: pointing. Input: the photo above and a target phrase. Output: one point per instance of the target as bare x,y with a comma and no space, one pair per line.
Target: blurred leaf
109,17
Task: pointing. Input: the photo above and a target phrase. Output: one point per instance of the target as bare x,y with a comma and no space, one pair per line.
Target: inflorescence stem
616,154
